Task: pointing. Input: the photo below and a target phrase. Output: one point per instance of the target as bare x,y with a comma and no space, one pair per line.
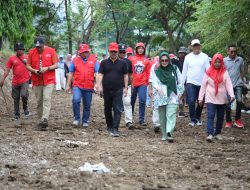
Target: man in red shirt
42,62
141,70
20,80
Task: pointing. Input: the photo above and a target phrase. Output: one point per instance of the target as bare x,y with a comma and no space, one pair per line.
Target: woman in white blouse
167,92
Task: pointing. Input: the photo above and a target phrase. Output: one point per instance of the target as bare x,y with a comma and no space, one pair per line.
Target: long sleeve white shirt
194,68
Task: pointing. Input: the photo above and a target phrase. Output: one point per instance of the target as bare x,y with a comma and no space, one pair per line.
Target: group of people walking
126,74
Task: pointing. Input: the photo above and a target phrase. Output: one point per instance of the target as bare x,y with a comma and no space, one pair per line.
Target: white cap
195,41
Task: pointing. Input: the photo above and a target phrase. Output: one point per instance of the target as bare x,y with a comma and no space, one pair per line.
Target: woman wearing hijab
167,90
216,87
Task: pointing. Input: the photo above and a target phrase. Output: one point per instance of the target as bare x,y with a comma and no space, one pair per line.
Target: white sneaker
248,112
85,125
243,111
76,122
210,138
191,124
218,137
199,123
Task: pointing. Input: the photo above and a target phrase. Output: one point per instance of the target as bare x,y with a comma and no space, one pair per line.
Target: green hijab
167,74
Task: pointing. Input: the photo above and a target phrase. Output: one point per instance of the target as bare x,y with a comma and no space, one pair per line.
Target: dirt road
31,159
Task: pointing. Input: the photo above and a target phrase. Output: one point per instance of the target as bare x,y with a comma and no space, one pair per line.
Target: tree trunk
87,32
69,25
4,43
117,36
172,43
1,42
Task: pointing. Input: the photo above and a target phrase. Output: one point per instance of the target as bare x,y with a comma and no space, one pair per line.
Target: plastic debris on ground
98,168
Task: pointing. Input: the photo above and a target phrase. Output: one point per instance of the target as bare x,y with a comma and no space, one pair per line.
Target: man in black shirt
113,82
127,99
179,63
181,56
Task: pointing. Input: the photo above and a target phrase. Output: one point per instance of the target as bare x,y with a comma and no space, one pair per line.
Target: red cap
129,50
140,44
113,46
156,59
83,48
171,56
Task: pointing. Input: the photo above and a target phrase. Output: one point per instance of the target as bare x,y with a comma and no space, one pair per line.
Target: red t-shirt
141,70
20,72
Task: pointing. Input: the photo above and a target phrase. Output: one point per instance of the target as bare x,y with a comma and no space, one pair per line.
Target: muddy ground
31,159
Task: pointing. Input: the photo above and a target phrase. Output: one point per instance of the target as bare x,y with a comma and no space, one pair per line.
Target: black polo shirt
129,65
113,73
178,63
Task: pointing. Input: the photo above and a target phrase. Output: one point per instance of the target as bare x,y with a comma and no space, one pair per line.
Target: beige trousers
43,96
127,106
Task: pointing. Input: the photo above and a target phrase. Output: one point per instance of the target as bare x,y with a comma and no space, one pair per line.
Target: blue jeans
219,110
238,97
142,92
148,99
86,96
192,98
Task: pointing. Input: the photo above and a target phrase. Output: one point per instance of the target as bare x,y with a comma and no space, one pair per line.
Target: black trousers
21,90
113,102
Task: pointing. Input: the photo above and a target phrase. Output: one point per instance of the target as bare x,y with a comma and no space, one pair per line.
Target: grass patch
6,53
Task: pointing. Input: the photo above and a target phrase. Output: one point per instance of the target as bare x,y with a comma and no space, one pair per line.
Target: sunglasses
122,52
164,60
234,51
196,45
113,51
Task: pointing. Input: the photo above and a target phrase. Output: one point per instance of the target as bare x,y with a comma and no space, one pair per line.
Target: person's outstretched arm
6,73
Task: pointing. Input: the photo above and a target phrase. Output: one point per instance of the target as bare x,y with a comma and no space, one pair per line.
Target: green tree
68,12
143,25
83,20
173,17
24,13
220,23
46,20
124,22
121,13
16,21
